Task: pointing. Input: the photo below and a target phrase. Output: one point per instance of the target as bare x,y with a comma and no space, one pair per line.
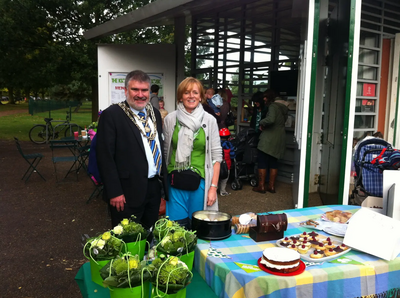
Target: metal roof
161,12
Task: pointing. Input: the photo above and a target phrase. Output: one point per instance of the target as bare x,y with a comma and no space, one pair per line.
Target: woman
259,111
271,143
191,140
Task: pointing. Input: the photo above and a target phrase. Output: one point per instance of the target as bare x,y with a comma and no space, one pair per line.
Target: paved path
7,113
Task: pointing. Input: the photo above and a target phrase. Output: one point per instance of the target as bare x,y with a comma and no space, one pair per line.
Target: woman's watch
213,185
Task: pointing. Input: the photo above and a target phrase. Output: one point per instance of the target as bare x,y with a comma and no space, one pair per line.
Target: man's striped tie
153,145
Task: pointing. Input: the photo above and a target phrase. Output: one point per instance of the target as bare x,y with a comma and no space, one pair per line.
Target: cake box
374,204
269,227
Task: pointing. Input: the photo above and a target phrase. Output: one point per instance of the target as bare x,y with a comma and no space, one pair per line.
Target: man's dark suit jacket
121,156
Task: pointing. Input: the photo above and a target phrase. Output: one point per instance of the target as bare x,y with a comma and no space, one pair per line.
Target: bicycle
42,133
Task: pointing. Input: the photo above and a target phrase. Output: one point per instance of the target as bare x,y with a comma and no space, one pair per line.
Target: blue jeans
182,203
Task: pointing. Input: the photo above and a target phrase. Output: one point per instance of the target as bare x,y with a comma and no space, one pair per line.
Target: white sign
117,85
374,233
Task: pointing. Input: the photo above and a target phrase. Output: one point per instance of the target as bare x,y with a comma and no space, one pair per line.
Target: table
196,289
327,280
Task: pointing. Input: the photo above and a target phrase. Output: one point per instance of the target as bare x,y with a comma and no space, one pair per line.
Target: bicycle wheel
69,131
37,134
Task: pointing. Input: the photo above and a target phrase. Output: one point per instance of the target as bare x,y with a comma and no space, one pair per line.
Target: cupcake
302,249
317,254
330,252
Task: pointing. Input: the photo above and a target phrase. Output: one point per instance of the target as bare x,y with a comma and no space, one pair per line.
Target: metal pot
211,225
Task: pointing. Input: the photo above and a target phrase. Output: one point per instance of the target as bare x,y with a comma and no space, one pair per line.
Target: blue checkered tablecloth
227,279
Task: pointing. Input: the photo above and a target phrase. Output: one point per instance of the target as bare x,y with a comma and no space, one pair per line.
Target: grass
19,125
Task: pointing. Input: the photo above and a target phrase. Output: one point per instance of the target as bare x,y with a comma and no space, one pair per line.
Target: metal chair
83,156
60,157
32,159
98,188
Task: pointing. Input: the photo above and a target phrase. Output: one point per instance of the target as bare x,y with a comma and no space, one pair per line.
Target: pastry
327,240
321,246
314,243
302,249
330,252
284,244
306,244
286,239
295,242
338,216
329,245
338,249
313,234
317,254
293,247
280,259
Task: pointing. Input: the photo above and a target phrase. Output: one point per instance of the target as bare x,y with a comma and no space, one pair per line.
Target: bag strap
379,156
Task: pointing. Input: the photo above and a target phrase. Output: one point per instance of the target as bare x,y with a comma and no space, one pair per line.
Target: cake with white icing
279,259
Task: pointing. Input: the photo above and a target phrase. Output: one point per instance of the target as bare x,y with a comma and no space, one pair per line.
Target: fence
39,106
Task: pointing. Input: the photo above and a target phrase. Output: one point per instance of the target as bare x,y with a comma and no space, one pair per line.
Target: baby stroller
368,162
244,164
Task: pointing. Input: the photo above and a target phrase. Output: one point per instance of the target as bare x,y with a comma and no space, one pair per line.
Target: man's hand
211,196
118,202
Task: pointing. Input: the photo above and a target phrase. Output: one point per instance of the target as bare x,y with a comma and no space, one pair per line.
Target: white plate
335,231
306,257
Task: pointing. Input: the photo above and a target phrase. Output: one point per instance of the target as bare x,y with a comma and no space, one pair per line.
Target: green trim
347,102
397,108
311,105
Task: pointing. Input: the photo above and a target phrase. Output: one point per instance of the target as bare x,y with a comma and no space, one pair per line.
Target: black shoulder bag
186,179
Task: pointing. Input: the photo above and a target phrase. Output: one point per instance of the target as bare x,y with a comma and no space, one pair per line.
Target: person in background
129,154
163,111
228,155
155,101
216,103
209,110
259,111
191,141
209,93
225,108
271,144
378,134
229,94
93,169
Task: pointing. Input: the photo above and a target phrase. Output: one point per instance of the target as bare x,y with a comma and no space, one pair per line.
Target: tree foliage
42,49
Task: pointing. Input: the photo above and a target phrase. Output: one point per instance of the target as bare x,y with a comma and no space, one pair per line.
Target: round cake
279,259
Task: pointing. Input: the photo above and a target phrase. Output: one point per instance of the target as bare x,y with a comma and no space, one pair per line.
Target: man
155,101
129,169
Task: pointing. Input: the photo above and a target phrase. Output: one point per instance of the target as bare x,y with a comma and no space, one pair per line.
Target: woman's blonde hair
187,84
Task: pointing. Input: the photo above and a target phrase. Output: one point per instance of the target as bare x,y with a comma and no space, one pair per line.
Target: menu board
117,85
